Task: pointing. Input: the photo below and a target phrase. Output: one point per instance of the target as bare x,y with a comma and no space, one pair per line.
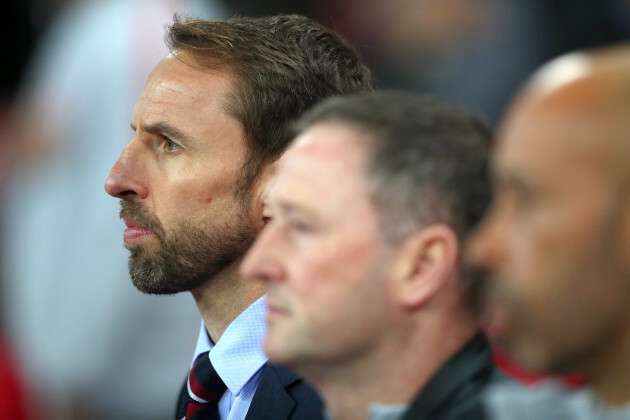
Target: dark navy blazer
280,395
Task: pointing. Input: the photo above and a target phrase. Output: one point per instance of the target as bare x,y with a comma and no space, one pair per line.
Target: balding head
612,64
557,239
584,98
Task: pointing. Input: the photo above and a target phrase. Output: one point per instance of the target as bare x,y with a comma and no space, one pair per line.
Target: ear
425,264
263,184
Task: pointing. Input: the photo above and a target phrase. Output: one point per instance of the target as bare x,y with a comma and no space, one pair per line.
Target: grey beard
188,255
188,259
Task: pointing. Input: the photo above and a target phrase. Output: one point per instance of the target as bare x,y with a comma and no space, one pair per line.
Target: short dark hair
427,160
282,66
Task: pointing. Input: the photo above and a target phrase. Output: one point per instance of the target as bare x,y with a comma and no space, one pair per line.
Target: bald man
557,239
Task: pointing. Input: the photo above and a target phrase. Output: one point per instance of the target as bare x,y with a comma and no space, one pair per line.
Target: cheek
211,198
334,281
545,246
558,289
536,277
541,279
319,286
338,318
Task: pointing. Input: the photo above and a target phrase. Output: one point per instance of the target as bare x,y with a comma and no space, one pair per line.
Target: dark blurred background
71,74
448,47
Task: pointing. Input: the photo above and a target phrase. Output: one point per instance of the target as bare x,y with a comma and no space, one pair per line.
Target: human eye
169,145
301,227
520,202
516,192
523,199
299,224
522,196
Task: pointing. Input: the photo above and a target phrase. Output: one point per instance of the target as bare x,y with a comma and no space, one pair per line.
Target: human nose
261,262
126,176
486,248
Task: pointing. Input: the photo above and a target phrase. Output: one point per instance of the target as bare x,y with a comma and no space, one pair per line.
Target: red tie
205,389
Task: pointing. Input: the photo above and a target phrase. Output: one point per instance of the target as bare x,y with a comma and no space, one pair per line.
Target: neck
224,297
349,391
393,374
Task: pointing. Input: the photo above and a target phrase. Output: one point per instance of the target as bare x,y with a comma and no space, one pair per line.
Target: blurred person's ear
261,190
425,264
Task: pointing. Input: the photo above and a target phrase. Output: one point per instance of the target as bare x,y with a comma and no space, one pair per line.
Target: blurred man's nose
486,248
259,263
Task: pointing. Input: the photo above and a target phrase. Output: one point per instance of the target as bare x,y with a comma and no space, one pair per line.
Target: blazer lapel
271,400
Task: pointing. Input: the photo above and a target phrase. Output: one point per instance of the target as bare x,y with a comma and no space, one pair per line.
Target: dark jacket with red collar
455,391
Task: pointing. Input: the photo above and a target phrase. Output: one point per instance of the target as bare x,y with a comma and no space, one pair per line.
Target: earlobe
266,212
263,185
426,264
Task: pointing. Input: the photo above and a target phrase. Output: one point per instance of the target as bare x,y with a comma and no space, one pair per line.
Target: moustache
131,209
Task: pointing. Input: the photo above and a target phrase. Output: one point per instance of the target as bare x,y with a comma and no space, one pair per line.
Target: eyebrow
510,180
290,209
164,128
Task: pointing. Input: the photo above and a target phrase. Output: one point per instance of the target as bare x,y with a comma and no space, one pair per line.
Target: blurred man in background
366,296
557,239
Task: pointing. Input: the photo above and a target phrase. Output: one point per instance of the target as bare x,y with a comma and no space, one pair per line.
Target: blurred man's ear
263,184
426,263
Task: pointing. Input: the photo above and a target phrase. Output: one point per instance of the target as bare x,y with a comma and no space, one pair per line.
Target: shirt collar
387,411
377,411
238,354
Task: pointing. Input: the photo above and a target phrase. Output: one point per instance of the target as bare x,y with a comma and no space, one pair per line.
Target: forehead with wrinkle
583,99
597,82
326,160
574,112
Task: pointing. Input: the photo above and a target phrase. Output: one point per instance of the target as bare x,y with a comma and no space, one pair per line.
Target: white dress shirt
238,358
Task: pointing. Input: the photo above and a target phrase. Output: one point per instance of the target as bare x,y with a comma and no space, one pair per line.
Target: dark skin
558,235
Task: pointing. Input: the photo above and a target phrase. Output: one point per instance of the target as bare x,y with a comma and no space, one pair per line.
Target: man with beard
366,297
557,240
211,121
